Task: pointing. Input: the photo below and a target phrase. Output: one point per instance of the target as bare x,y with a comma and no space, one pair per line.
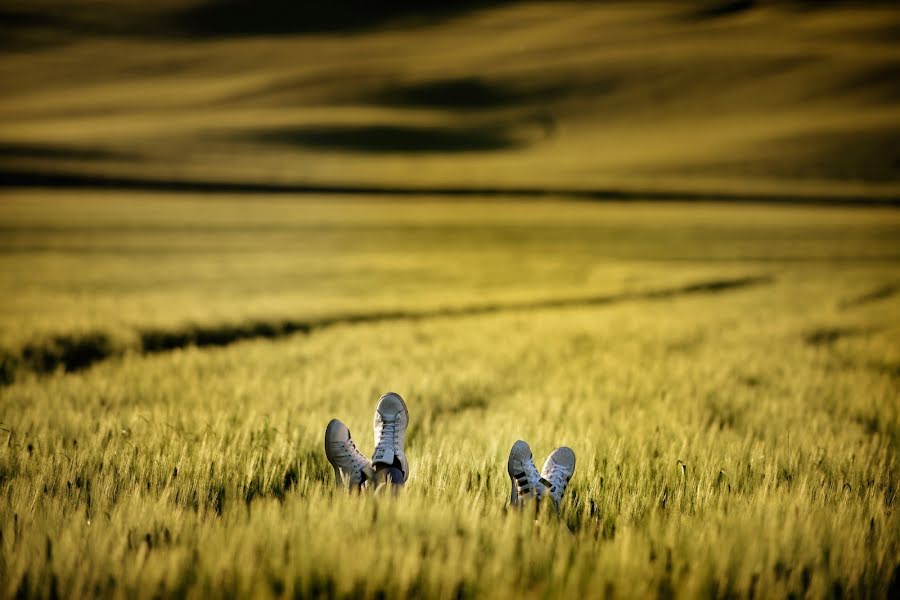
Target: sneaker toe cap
336,431
390,405
564,457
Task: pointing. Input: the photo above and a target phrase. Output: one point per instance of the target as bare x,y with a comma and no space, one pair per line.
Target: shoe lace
532,483
349,451
559,479
388,437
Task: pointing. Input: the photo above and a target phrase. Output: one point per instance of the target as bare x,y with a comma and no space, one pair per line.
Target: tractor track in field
72,353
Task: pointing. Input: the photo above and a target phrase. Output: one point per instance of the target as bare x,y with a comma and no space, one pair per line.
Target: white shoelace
349,451
559,479
533,477
388,439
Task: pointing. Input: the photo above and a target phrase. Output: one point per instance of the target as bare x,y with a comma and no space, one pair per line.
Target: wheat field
663,234
731,396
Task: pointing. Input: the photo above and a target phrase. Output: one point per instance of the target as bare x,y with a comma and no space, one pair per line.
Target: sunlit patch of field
199,471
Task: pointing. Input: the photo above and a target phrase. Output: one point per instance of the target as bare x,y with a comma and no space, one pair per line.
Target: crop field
664,234
727,375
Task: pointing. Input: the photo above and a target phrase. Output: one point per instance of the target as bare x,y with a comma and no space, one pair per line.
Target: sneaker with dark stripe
557,471
525,480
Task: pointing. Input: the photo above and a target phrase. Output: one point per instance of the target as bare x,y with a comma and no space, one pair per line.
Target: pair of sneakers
352,468
528,484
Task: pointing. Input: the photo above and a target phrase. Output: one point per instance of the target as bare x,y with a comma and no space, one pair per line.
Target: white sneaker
391,419
557,471
525,480
351,467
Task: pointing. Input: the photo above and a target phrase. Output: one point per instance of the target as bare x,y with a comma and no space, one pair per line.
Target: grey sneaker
557,471
525,480
391,420
351,468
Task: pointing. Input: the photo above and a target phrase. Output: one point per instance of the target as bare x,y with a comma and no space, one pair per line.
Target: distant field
770,98
104,273
199,471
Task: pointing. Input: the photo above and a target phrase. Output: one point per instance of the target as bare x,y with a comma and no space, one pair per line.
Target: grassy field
99,274
757,345
664,234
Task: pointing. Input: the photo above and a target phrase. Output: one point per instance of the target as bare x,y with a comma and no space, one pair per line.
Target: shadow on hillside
714,10
879,82
718,9
393,138
24,25
275,17
858,155
56,152
467,93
